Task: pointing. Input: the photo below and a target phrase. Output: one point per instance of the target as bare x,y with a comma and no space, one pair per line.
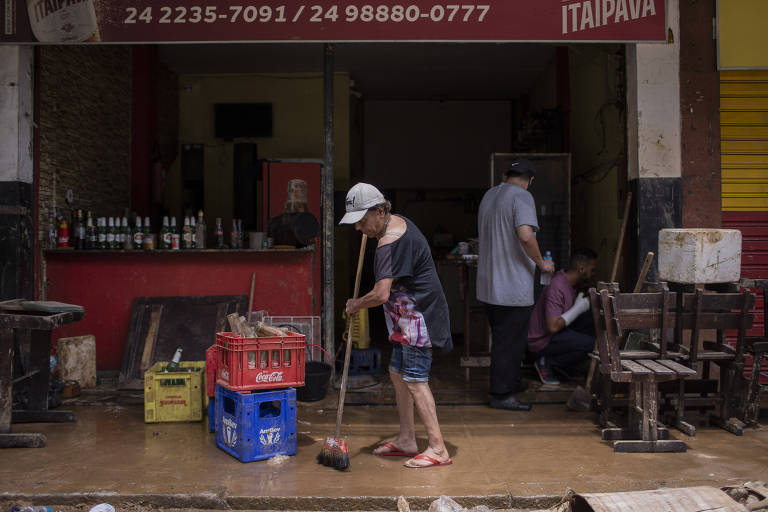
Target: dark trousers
573,344
509,331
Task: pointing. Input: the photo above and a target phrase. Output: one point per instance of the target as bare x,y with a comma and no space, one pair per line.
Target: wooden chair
697,312
757,347
613,315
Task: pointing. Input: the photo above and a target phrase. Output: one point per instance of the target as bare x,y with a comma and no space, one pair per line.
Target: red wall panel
106,283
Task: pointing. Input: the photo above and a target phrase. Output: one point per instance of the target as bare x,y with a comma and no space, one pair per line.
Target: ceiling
383,71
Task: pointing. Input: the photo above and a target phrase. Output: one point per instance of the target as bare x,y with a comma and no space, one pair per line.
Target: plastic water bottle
32,509
546,277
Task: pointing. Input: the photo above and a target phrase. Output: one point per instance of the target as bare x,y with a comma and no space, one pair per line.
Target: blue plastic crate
256,426
365,361
212,414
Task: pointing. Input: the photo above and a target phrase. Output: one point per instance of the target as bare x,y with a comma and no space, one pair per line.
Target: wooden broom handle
621,237
348,352
643,272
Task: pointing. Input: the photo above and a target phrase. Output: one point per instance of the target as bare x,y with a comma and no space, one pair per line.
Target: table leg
6,379
39,362
8,440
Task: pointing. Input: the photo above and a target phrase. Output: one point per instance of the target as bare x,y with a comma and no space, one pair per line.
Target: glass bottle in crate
263,359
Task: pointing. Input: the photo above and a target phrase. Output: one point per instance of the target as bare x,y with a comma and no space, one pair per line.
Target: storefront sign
144,21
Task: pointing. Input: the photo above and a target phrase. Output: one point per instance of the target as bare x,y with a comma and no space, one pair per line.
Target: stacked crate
255,395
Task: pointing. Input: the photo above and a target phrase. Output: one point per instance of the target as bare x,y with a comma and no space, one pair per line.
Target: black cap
523,167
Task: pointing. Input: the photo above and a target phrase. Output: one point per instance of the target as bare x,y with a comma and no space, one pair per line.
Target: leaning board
161,324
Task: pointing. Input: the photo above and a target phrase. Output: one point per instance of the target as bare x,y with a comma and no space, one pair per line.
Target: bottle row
116,233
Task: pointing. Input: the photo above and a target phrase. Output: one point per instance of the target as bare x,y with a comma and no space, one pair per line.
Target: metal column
327,186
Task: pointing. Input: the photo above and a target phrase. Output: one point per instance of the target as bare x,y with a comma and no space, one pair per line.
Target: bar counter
105,283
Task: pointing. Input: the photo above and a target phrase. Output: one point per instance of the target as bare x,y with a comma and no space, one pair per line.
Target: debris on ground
753,495
446,504
402,505
565,502
277,460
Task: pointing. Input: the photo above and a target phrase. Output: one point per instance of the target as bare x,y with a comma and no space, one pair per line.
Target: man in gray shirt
508,257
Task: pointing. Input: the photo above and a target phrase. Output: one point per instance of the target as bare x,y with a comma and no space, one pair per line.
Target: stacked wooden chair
697,313
615,314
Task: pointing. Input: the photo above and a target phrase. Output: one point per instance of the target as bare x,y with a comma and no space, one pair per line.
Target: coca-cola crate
268,362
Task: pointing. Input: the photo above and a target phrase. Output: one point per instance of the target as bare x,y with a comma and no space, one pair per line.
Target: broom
335,452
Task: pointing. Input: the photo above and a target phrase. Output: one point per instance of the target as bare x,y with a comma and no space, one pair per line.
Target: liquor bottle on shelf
91,238
63,234
149,243
233,235
52,241
165,234
138,235
186,237
79,231
111,233
193,227
101,232
73,230
201,231
219,234
127,235
175,236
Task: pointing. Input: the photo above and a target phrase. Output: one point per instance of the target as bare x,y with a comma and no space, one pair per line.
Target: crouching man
561,332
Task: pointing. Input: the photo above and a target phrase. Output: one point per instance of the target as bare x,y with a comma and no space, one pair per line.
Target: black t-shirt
416,311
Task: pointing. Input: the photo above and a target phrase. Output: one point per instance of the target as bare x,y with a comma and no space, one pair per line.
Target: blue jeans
413,363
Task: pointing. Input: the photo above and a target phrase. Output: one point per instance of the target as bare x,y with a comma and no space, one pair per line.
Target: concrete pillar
16,172
653,142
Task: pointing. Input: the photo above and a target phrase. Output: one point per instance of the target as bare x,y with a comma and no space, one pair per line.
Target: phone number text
307,13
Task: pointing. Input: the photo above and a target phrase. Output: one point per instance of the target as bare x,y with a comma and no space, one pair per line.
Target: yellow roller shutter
744,139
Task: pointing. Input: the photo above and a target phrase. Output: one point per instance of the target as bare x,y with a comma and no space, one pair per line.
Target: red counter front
106,282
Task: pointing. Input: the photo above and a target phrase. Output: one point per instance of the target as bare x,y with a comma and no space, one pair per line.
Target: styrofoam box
699,256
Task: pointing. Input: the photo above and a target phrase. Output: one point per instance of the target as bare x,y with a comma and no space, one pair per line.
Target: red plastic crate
210,371
269,362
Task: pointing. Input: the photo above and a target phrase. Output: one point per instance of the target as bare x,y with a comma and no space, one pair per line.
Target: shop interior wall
431,158
297,103
84,130
597,135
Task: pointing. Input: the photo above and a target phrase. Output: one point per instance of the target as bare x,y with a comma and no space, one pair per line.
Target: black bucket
316,377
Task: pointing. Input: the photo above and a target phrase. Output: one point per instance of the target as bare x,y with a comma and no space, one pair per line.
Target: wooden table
468,361
16,322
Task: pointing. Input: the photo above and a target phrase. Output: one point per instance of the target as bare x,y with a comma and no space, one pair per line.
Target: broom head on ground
335,453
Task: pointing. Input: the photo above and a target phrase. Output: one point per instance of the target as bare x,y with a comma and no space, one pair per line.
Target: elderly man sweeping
417,318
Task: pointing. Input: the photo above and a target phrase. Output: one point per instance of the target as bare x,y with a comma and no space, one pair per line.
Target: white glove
580,305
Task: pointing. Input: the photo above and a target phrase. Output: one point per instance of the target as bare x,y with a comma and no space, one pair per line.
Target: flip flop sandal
394,451
432,462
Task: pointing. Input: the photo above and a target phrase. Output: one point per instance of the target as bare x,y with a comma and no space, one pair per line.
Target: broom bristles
335,454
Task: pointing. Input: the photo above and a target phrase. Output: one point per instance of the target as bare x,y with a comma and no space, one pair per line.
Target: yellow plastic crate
174,396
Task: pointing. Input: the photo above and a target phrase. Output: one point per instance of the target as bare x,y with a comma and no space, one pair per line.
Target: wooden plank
39,359
639,446
22,440
151,338
676,367
714,355
635,368
475,362
187,322
655,367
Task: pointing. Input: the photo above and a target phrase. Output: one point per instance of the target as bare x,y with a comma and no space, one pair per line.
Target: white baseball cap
360,198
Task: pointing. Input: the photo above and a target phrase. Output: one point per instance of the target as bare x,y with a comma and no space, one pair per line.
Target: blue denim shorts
413,363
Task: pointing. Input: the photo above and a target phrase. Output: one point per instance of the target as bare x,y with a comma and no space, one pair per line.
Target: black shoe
510,403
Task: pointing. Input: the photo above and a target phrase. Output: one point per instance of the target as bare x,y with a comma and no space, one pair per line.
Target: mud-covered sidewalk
501,459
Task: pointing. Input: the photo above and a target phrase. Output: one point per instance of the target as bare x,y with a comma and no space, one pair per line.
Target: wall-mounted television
232,120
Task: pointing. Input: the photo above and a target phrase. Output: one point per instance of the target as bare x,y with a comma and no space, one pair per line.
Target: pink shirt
554,300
